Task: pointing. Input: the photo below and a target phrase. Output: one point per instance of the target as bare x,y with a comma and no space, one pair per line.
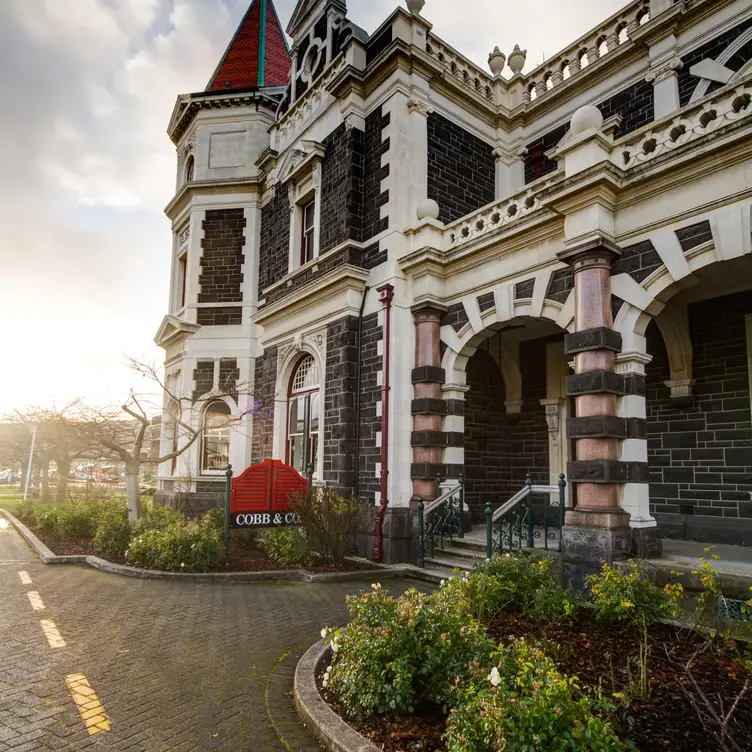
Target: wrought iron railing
440,521
531,516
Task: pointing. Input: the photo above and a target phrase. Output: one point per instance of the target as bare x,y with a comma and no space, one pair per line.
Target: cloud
88,87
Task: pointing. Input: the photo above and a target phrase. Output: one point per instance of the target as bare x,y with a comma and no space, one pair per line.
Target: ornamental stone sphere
428,209
585,118
415,6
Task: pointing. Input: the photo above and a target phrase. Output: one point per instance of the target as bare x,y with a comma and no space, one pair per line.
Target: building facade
392,264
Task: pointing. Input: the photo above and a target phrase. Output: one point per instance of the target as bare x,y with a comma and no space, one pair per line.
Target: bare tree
124,431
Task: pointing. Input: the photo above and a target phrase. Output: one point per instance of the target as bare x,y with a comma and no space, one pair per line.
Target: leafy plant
244,538
288,546
113,533
524,703
620,595
396,655
330,520
179,547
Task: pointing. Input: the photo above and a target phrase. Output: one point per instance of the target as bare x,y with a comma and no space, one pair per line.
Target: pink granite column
597,529
428,404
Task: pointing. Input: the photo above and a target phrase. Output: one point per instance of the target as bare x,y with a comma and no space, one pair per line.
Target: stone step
450,563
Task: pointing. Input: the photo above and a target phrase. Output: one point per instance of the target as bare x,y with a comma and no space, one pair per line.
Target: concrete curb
297,575
321,720
44,553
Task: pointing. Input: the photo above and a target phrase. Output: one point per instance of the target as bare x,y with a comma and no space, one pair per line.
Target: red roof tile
239,68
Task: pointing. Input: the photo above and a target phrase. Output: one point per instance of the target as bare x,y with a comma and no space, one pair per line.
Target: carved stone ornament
291,197
516,59
553,416
664,70
316,175
496,61
419,103
415,6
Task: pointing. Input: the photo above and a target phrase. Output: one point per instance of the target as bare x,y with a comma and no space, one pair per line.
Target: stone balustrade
499,214
730,104
586,50
461,69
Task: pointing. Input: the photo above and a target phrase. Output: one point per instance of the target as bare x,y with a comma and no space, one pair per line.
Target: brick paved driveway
175,666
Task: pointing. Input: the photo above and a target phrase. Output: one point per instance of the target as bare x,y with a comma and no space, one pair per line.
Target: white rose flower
494,677
335,647
323,633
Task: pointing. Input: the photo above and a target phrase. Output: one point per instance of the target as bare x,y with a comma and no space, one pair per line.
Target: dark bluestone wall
370,396
700,456
461,169
274,249
375,145
263,419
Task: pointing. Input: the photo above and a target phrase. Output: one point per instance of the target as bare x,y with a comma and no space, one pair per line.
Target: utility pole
31,456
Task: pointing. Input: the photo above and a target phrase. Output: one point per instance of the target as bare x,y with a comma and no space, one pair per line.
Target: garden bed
615,660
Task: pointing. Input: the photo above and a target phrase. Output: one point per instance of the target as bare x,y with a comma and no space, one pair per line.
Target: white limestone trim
504,301
748,324
565,319
702,88
731,233
669,249
540,289
674,326
473,313
626,288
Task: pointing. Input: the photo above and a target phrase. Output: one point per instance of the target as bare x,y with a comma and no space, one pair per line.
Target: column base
591,538
646,543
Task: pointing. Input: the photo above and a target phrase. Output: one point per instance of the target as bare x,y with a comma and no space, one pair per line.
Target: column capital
597,251
428,311
665,68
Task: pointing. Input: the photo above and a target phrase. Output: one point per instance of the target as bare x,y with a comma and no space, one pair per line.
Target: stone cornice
197,188
324,288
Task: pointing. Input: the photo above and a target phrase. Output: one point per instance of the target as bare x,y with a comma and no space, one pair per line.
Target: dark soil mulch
241,559
665,722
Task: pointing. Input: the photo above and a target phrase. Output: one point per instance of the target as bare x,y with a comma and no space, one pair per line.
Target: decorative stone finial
517,59
585,118
427,209
415,6
496,61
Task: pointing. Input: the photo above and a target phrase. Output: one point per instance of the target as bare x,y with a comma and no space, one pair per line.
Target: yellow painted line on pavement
25,579
52,633
88,704
35,600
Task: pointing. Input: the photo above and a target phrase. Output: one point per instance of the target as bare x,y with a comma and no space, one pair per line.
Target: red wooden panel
250,490
287,482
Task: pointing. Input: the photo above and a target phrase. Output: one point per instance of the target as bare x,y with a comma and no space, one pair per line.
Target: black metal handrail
441,519
523,514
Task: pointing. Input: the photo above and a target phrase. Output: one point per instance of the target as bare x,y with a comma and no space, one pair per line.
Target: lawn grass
10,498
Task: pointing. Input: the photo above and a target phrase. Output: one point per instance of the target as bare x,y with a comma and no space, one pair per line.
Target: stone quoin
569,253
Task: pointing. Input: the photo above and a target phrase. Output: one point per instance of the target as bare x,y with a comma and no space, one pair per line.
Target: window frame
306,393
307,232
205,434
189,173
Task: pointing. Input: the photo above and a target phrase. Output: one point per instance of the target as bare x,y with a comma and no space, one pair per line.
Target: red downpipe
386,295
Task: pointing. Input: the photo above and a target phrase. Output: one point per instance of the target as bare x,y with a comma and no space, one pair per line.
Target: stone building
425,267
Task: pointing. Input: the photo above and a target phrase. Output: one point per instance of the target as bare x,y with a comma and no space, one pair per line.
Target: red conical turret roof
257,55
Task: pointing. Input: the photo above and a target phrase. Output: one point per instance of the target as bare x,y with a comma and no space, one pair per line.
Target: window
182,269
215,455
189,169
308,232
303,410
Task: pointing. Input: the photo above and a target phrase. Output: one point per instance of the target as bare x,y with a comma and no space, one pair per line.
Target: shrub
244,538
179,547
158,518
330,519
114,532
287,545
523,703
76,520
627,596
396,655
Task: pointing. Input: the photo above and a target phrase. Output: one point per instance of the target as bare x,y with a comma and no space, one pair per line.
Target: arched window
215,454
303,411
189,168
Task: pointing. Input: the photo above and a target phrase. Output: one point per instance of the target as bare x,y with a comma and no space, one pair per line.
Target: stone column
597,529
633,451
428,406
510,171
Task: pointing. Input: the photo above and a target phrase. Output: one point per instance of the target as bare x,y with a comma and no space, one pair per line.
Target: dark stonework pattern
373,256
370,395
203,378
524,290
222,256
274,250
712,49
225,316
341,188
374,146
487,452
561,284
694,235
537,164
639,261
339,403
456,317
700,456
486,301
229,375
378,44
461,169
263,395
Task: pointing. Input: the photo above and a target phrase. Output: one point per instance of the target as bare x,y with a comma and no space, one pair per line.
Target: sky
86,168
